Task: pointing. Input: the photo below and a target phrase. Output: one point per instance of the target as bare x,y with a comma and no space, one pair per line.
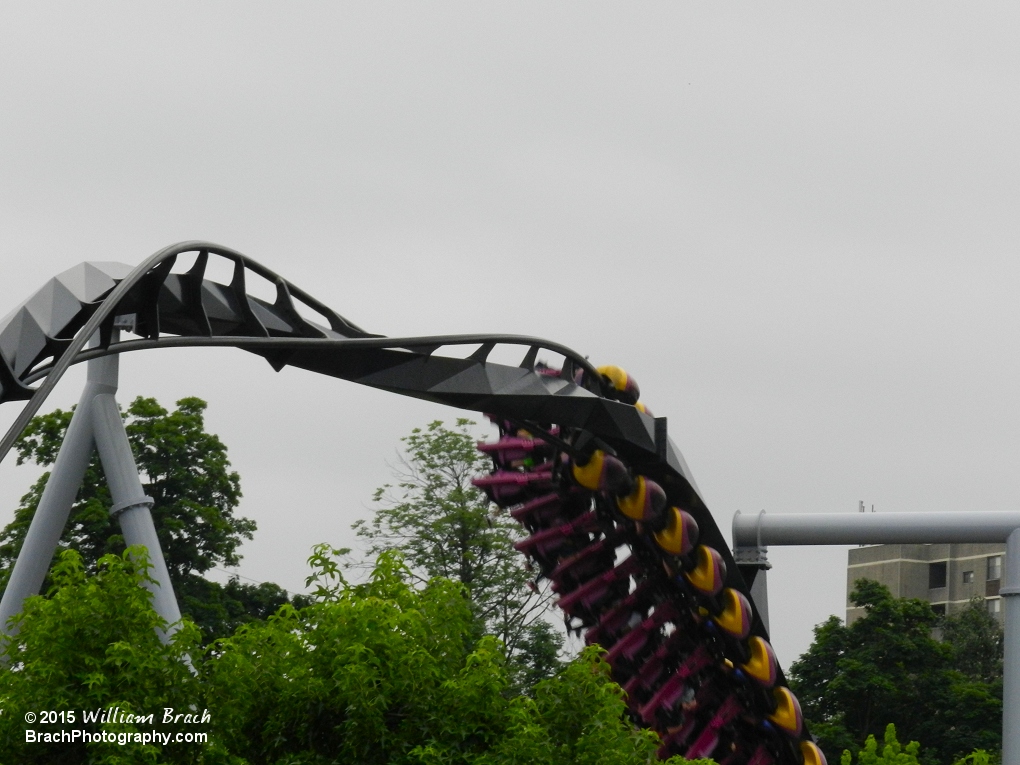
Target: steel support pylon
1010,592
751,534
96,424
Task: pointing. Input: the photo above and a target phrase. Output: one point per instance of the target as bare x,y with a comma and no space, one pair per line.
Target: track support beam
1010,592
752,535
96,424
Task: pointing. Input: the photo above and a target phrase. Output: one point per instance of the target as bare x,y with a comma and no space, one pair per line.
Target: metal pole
130,505
752,533
96,422
51,515
873,528
1010,592
753,562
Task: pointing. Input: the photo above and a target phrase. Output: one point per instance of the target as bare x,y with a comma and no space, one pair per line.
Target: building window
994,568
994,606
968,577
939,609
936,575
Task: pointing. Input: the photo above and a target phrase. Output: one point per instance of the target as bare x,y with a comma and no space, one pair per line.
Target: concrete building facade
947,576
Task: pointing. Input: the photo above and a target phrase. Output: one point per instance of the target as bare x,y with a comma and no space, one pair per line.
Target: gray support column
130,505
752,558
51,515
751,534
947,527
760,595
1010,592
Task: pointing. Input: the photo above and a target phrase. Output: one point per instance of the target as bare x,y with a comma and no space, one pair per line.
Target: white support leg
96,423
51,515
130,505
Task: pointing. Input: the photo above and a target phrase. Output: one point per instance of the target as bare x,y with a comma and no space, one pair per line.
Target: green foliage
978,757
184,469
351,677
445,527
92,644
394,670
391,672
893,753
888,668
382,672
186,472
575,717
977,642
219,609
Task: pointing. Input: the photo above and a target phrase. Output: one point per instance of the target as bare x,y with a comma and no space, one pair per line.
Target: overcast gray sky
794,223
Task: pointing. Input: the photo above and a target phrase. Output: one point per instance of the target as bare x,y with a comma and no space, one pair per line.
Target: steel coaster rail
157,267
105,311
96,426
612,475
427,344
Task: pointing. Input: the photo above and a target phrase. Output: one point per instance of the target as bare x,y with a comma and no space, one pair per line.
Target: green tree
445,527
391,671
91,645
893,753
887,667
187,473
977,641
384,672
977,757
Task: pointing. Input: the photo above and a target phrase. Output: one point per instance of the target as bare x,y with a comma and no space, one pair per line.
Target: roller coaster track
613,517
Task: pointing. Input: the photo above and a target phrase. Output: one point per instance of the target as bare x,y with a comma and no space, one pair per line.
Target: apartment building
947,576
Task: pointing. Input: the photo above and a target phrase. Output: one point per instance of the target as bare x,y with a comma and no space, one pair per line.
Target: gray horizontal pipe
955,527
